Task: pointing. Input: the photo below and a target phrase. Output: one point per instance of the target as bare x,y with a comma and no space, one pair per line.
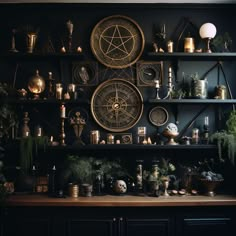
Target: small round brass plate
158,116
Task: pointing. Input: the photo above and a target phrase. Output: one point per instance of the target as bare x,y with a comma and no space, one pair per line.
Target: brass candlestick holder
165,182
13,42
78,124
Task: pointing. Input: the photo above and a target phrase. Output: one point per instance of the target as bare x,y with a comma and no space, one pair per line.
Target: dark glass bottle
52,182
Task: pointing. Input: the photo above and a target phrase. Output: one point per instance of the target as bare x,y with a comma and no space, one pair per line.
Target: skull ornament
120,187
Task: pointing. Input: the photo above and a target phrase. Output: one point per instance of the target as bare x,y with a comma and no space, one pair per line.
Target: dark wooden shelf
40,56
44,101
193,56
193,101
120,147
218,56
87,101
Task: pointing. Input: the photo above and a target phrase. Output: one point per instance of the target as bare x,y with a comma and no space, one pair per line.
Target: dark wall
50,19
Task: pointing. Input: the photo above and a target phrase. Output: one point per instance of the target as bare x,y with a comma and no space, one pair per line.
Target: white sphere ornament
172,127
207,30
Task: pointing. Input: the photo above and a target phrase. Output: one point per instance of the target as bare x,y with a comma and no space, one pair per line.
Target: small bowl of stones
210,181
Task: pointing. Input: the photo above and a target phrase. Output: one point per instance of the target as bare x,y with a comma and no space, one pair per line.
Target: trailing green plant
231,123
226,140
225,144
29,147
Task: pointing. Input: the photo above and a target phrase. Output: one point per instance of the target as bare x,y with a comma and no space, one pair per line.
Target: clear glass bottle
139,176
195,136
205,135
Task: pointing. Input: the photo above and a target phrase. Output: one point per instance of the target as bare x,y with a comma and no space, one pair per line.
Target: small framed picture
120,138
148,72
84,73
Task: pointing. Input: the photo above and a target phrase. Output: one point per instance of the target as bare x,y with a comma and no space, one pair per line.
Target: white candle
63,111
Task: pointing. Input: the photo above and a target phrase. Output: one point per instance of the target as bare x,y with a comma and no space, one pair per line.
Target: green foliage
226,140
231,123
84,169
26,153
225,144
29,147
78,170
222,43
3,90
8,119
165,169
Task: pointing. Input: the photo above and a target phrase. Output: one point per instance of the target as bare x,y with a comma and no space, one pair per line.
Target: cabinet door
144,227
25,224
207,226
90,227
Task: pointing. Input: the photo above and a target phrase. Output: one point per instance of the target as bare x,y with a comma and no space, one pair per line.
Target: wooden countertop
121,201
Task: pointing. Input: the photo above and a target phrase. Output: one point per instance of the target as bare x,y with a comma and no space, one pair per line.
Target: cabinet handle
121,219
114,219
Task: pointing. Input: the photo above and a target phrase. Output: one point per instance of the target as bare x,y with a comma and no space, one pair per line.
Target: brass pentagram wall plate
117,105
117,41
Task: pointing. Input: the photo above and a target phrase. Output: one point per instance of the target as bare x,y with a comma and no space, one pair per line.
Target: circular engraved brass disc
117,105
117,41
158,116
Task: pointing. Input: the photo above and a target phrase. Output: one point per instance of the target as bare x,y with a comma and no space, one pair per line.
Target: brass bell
36,85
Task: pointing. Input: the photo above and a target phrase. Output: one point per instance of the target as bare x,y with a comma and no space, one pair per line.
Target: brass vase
31,41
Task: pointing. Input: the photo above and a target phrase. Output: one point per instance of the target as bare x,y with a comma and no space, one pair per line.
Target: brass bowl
210,186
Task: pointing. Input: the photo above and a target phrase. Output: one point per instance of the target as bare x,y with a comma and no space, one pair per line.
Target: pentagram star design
117,42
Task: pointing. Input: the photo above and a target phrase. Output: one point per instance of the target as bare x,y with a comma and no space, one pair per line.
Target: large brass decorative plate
117,105
117,41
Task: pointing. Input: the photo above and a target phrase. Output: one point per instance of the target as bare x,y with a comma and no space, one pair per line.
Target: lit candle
59,90
189,45
157,82
63,111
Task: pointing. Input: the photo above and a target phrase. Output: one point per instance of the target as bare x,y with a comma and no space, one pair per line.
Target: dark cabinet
62,221
142,227
207,226
90,227
118,221
26,222
217,222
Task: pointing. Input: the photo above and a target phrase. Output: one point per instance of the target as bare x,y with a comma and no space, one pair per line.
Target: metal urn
36,85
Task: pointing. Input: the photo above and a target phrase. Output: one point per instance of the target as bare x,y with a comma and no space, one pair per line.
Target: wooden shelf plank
120,201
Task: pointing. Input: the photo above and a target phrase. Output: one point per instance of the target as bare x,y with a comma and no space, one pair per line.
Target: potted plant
84,170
